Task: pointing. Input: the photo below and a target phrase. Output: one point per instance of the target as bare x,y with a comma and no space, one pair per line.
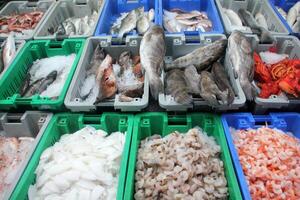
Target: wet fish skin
69,28
192,79
60,30
202,57
240,55
125,60
222,81
97,58
47,81
129,22
9,50
233,17
177,87
143,24
264,35
210,91
152,53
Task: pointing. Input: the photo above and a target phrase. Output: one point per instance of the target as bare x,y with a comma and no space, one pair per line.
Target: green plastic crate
149,124
14,77
69,123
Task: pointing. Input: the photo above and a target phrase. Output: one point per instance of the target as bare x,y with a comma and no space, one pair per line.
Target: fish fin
156,86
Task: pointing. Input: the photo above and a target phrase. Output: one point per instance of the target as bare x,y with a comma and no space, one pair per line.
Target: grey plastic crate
19,46
177,46
286,45
66,9
28,124
275,25
72,100
26,6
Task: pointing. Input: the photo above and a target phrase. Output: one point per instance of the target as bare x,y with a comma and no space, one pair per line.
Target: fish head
100,53
139,11
52,75
124,58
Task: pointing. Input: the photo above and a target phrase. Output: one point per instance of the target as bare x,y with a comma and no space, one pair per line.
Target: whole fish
60,30
222,81
264,35
152,53
240,55
192,79
233,17
282,12
70,28
143,24
129,22
177,87
9,50
210,91
106,80
293,14
40,85
97,58
261,20
202,57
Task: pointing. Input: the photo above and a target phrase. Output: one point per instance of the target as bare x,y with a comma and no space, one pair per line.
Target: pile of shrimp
271,162
180,166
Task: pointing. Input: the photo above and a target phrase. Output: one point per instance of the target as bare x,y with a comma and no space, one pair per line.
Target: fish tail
156,86
231,96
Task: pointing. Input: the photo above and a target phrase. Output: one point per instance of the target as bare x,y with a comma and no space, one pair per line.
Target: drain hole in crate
146,121
42,120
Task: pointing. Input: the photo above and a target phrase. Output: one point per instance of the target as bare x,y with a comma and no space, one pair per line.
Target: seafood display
47,76
177,20
240,54
75,26
292,17
82,165
152,52
200,74
270,161
104,78
22,23
180,166
137,19
7,52
12,152
276,73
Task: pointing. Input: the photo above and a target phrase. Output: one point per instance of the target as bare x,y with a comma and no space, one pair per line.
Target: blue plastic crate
207,6
287,122
113,8
285,5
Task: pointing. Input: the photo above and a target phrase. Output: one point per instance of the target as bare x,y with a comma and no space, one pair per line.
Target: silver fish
40,85
70,28
282,12
129,22
143,24
97,58
60,30
264,35
9,50
202,57
222,81
210,91
177,87
233,17
240,55
261,20
192,79
152,53
293,14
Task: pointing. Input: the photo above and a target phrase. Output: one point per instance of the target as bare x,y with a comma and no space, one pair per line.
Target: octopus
180,166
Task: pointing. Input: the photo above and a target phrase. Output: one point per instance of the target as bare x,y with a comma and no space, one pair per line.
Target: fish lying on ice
222,81
240,55
293,13
106,80
97,58
264,35
152,52
176,86
261,20
202,57
209,91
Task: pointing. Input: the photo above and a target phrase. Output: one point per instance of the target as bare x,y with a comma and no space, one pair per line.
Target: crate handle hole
146,121
42,120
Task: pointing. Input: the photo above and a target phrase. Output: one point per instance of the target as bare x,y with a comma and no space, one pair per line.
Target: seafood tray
15,75
26,6
207,6
285,5
163,124
275,25
113,8
28,124
68,123
66,9
178,46
19,45
287,122
72,100
289,45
